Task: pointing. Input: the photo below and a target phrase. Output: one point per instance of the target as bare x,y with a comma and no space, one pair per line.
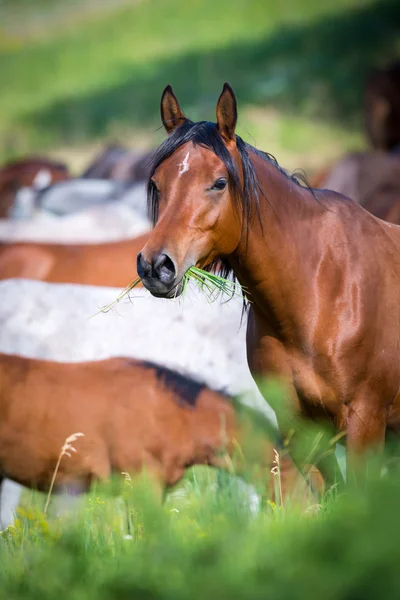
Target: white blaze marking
184,166
42,179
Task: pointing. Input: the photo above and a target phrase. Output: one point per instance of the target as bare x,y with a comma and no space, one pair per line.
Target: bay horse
132,414
109,264
321,274
25,173
372,179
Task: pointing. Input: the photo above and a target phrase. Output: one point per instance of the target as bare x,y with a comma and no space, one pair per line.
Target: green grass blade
210,284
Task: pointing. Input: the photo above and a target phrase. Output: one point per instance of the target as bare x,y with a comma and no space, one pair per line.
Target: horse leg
322,474
328,467
67,498
310,452
10,494
366,430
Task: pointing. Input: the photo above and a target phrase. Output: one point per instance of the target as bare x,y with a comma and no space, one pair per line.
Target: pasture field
204,543
72,77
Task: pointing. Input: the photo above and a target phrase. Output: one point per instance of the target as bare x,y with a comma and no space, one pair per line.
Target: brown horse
372,179
322,275
24,173
133,415
382,107
110,264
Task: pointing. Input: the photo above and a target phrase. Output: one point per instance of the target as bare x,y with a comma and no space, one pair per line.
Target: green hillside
72,74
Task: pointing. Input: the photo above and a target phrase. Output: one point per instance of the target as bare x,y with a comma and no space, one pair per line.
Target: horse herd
321,278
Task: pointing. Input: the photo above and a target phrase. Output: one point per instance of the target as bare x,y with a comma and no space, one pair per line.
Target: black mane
206,134
186,388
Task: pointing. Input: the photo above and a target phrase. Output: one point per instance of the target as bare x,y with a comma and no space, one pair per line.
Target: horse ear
227,113
171,113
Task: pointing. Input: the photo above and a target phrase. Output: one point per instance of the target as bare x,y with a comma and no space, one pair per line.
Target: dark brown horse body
372,179
22,173
133,415
382,107
110,264
321,273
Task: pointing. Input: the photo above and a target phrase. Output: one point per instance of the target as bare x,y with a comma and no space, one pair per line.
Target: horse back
27,261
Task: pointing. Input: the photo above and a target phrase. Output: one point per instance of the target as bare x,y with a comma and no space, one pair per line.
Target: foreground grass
297,66
206,544
206,539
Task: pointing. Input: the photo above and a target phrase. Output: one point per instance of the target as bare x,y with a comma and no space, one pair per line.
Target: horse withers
321,274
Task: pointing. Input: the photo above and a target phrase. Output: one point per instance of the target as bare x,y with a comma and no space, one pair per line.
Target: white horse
76,195
102,222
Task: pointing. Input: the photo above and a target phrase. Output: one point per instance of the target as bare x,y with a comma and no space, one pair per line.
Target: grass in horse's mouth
211,285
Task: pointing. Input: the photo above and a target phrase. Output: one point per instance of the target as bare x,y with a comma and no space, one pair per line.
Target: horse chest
316,396
311,393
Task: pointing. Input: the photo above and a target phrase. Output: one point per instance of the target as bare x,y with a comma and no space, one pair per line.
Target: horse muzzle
159,275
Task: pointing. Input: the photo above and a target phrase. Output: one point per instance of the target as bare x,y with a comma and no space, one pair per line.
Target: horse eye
220,184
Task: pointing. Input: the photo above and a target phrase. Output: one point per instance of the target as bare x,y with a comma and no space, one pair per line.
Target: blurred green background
76,73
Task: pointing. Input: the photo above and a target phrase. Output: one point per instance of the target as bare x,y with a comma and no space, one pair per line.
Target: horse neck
273,260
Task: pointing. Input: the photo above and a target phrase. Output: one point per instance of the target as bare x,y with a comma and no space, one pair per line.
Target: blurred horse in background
372,178
382,107
105,264
117,163
111,264
30,184
195,337
127,415
34,192
78,195
33,172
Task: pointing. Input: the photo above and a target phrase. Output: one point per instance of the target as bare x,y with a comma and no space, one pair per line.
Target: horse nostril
164,268
161,268
143,267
